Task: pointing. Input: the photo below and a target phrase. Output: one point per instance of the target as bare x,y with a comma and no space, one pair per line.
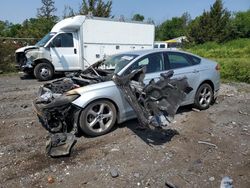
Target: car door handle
195,71
75,51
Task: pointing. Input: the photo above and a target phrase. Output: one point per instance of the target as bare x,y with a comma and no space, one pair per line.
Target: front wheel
98,118
204,97
43,71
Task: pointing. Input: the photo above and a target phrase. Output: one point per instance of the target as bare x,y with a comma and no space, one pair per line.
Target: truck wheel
43,71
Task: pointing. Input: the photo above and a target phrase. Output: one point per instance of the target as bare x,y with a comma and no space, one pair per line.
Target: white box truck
75,43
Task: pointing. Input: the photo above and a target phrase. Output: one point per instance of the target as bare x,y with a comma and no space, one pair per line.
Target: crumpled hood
25,48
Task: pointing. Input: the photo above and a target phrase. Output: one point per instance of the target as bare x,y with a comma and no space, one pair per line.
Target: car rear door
183,65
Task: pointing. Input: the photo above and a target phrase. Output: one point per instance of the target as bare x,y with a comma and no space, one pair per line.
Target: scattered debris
148,182
211,178
24,105
137,175
195,110
226,182
245,129
52,169
51,180
114,149
207,143
230,95
170,185
114,173
244,113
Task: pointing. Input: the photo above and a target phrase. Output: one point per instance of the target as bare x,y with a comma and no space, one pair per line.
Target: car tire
43,71
98,118
204,97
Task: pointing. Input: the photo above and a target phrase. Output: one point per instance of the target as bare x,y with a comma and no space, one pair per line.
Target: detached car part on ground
92,101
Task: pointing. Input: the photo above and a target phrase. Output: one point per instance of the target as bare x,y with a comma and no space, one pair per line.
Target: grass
233,57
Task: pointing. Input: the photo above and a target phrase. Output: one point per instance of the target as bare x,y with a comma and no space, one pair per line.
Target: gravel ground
127,157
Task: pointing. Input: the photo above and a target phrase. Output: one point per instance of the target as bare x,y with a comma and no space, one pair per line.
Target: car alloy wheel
204,96
98,118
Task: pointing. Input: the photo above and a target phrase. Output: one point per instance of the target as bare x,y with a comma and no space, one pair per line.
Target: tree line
46,18
218,24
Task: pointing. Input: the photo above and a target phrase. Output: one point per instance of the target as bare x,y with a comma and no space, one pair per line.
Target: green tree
213,25
46,19
138,17
173,28
68,11
13,30
96,7
241,24
47,10
2,28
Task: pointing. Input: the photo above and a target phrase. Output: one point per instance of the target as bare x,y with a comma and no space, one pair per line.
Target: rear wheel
98,118
43,71
204,96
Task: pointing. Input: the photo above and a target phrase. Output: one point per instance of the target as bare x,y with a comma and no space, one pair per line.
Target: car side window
178,60
194,60
153,63
63,40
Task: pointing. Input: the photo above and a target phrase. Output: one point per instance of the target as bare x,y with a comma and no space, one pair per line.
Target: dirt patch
141,158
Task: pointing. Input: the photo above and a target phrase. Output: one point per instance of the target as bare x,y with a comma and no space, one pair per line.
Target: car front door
155,65
183,66
64,52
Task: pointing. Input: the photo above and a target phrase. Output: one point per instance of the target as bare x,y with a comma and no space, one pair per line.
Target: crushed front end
58,115
24,62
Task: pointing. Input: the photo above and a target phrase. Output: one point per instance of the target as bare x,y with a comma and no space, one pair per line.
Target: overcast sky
17,11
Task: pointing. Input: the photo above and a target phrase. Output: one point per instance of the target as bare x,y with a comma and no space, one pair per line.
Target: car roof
149,51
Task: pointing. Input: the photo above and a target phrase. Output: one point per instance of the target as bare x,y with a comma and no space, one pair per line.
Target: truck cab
55,52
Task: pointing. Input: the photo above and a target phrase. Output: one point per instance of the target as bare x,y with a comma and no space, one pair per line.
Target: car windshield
45,39
117,62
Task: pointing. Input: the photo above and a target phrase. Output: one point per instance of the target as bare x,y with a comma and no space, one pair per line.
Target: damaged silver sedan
148,84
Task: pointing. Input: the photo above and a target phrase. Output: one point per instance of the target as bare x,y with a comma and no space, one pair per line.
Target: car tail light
217,67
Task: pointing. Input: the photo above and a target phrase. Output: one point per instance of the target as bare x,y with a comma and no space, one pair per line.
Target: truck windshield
118,62
45,39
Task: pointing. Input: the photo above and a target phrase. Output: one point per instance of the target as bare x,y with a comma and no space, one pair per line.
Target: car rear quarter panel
209,73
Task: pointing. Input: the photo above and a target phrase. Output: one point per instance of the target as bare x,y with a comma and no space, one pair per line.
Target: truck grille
20,59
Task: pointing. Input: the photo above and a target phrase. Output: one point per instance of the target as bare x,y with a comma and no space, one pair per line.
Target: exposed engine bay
155,104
